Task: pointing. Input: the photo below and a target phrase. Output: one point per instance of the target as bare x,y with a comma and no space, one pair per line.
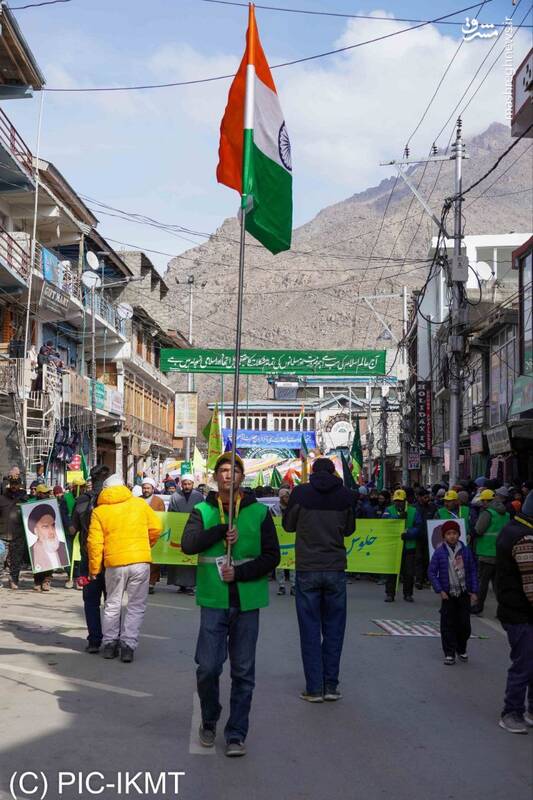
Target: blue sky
155,152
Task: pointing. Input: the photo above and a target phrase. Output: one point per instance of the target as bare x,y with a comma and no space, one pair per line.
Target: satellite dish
484,270
92,260
66,264
91,280
125,311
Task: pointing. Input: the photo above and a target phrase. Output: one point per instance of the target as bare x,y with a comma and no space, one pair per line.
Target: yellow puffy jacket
122,530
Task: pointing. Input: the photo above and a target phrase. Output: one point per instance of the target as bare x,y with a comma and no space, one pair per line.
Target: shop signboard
423,418
498,440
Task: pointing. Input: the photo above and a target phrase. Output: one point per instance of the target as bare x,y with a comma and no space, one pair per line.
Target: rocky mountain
372,243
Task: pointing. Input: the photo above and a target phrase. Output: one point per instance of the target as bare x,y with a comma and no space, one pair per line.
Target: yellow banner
376,545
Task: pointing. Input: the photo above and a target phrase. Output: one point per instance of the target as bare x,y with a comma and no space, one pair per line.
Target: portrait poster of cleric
45,536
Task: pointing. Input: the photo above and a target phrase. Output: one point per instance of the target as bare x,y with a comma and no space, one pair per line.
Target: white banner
186,415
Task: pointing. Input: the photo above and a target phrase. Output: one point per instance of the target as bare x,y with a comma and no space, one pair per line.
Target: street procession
266,400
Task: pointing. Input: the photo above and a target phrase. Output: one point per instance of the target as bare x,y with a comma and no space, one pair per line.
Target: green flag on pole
214,447
259,480
84,467
275,478
347,476
356,453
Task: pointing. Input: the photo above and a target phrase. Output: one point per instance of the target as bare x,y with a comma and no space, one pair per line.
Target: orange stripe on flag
230,151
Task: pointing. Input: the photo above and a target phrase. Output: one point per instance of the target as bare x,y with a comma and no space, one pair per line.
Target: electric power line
291,63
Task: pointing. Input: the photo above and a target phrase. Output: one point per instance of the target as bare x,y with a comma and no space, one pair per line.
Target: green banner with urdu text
276,362
376,545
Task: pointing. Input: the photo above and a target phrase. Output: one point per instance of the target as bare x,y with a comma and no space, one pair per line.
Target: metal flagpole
246,155
236,379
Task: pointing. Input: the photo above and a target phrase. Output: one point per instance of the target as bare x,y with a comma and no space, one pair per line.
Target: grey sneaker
528,718
207,734
512,723
312,697
332,693
126,654
110,650
463,657
235,748
449,660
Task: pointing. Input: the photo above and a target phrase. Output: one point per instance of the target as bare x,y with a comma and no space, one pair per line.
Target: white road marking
178,608
63,624
195,748
492,624
104,687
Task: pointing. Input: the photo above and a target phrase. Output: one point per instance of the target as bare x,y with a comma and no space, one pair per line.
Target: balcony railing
147,431
14,254
15,144
106,310
57,271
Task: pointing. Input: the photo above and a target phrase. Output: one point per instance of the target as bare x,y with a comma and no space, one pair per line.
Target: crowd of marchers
117,527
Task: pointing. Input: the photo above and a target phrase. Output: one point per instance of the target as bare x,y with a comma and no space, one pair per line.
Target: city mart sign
276,362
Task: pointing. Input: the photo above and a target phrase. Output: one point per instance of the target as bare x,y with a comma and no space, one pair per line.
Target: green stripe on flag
270,218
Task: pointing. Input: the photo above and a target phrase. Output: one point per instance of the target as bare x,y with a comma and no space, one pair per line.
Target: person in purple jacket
453,575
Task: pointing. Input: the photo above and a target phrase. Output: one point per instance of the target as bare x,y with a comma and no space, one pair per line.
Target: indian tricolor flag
255,151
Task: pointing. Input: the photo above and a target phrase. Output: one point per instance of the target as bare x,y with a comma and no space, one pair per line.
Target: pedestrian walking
183,501
12,528
93,590
492,519
156,503
412,532
283,576
230,597
426,510
121,532
514,590
452,572
321,513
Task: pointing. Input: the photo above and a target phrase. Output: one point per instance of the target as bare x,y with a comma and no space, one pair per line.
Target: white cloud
156,151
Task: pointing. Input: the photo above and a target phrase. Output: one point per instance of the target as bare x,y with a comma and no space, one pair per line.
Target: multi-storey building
492,441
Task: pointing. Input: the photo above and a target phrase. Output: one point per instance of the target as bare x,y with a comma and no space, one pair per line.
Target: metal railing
105,310
13,254
15,144
8,376
147,431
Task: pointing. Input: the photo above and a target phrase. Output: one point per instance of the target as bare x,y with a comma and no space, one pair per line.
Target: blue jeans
520,675
92,597
321,610
224,630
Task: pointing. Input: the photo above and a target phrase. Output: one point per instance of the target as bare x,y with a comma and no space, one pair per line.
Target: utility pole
190,386
405,436
93,379
457,277
384,432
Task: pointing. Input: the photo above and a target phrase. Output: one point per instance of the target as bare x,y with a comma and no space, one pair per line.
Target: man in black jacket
514,592
12,529
427,510
93,590
321,513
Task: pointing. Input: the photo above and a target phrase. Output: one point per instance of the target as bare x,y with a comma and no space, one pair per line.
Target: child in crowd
453,575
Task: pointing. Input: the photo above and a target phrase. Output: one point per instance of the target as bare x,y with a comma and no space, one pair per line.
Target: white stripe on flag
249,98
268,121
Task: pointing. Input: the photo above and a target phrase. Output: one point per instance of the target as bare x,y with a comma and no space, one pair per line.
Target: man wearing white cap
183,501
156,504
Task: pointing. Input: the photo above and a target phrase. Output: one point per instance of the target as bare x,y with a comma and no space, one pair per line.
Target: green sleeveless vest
211,591
464,513
486,544
410,544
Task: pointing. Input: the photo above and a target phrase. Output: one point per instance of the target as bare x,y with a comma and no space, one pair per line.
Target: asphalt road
407,726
